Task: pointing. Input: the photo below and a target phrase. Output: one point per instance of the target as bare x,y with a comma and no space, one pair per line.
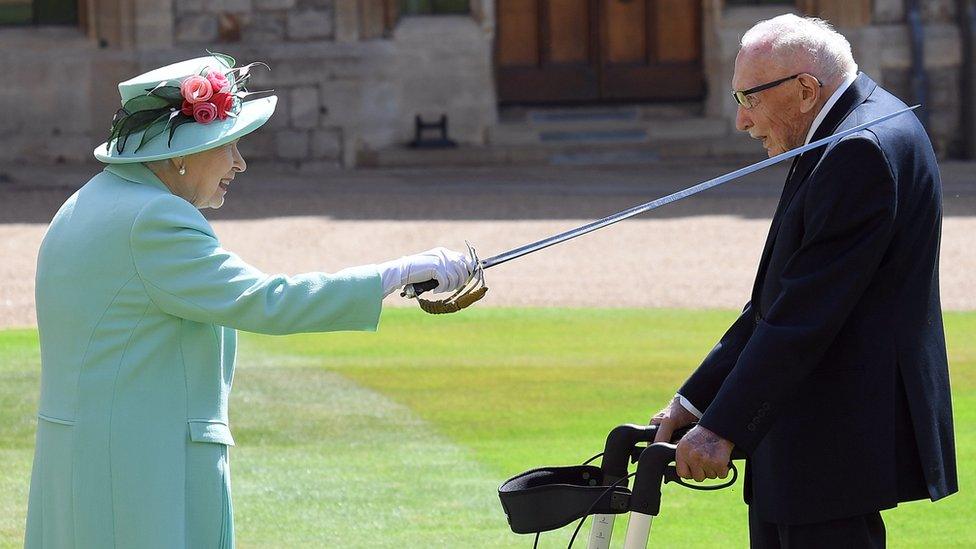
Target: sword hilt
411,291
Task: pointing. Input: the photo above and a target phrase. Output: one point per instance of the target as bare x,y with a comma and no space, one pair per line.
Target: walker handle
654,468
621,446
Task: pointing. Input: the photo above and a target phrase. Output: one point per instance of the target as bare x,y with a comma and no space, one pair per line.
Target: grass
400,438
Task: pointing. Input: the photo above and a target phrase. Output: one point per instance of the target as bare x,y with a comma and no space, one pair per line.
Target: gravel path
698,253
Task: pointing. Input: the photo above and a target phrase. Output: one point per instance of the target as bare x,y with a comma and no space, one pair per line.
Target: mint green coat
137,309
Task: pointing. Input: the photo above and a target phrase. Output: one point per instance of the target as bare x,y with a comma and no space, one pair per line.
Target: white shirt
828,105
813,128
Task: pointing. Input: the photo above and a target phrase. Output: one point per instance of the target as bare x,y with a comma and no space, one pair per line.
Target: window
434,7
377,18
39,12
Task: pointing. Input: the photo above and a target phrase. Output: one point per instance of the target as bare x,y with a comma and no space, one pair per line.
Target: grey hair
820,50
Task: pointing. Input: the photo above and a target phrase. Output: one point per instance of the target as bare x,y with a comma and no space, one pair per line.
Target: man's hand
703,454
674,416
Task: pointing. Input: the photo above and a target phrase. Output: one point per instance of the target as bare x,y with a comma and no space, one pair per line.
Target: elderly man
834,379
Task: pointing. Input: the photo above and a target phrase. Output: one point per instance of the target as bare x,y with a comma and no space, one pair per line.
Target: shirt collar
830,103
137,172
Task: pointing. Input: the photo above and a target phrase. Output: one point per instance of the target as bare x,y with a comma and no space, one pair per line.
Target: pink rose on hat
218,81
224,103
196,89
204,112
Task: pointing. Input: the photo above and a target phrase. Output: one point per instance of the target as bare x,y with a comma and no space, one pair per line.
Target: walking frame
549,498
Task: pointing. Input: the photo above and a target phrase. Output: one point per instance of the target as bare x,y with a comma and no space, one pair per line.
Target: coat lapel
803,165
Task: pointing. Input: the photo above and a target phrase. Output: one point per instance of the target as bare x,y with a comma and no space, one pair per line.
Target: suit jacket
834,379
137,310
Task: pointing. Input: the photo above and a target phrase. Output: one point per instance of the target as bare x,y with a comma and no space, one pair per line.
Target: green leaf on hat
160,85
117,119
133,123
119,123
145,103
176,122
169,93
155,128
227,60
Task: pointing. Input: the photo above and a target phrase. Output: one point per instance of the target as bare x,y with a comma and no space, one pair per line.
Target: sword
414,290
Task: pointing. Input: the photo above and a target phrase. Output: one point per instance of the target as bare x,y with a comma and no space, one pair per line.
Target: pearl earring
182,168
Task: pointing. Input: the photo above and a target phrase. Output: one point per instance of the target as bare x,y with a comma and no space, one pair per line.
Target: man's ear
810,91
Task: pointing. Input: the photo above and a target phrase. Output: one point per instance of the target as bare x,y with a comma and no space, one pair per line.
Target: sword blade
695,189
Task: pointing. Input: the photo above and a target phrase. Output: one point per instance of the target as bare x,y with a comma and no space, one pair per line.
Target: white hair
808,43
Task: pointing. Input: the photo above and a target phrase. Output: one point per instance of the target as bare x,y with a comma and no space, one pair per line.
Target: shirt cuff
688,405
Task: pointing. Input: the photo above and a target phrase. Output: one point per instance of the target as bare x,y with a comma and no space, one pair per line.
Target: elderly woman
138,308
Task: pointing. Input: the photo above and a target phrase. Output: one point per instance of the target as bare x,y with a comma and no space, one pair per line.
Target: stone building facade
881,38
351,75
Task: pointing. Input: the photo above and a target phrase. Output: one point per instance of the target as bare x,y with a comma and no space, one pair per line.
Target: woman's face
209,174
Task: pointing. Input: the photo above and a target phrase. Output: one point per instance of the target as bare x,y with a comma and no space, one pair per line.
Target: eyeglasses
744,98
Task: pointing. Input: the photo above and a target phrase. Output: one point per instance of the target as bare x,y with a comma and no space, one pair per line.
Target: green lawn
400,438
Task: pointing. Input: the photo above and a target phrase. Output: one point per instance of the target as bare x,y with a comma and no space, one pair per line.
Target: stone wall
889,40
349,84
58,94
882,49
344,88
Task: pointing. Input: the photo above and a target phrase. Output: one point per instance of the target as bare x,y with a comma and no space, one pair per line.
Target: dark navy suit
834,379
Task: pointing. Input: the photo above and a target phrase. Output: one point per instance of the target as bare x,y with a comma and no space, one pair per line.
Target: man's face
777,119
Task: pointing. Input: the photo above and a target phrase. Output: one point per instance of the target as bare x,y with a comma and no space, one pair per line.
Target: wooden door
652,49
545,51
556,51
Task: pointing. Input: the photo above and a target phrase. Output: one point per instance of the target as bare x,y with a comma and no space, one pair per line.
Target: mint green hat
152,124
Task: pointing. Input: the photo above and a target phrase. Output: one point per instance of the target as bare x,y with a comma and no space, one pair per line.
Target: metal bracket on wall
441,142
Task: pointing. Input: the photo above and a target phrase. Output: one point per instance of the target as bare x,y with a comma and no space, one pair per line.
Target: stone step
577,115
623,112
734,148
606,130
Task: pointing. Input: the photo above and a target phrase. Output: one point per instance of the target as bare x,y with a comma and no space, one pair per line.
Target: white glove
449,268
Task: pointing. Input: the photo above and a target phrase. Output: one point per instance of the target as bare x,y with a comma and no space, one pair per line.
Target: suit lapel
858,91
784,200
803,165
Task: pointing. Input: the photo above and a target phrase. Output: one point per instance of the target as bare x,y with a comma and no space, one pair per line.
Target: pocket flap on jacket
202,430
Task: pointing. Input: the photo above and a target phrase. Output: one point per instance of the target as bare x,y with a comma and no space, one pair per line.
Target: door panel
569,25
598,50
625,30
660,55
678,40
551,61
518,36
